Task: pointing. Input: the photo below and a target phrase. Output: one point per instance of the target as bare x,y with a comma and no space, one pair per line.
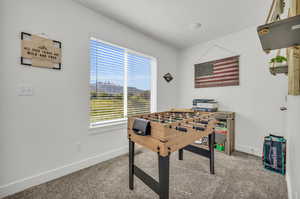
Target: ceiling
171,21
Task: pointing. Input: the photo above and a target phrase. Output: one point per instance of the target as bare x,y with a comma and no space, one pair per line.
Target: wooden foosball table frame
170,131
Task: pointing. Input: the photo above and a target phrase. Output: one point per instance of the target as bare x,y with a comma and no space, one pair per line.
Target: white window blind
139,85
107,81
120,82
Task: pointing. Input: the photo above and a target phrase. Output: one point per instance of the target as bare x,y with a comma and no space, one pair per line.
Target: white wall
258,98
293,149
41,134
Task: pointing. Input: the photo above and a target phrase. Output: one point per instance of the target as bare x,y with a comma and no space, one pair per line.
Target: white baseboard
40,178
249,150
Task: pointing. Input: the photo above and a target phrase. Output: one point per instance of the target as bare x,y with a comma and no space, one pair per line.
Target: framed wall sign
40,52
222,72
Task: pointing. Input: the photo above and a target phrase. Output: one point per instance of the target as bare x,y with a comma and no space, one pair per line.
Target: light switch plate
25,90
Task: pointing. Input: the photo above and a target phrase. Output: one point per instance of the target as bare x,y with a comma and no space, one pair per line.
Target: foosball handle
181,129
198,128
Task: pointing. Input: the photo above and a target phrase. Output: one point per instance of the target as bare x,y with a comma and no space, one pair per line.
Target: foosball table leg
164,172
180,154
211,139
131,164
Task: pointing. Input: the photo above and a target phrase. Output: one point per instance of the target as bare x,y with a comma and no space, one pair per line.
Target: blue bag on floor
274,153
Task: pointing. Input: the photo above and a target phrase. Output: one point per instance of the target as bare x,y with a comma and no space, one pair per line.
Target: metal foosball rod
191,125
194,126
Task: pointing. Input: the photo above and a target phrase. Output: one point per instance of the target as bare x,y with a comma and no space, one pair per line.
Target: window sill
108,126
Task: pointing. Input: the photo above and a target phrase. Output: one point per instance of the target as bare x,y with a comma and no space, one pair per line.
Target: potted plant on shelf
278,65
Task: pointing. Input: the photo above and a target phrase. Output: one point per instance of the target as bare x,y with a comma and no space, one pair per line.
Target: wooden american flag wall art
222,72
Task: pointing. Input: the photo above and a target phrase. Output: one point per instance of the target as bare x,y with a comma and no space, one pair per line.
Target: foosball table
167,132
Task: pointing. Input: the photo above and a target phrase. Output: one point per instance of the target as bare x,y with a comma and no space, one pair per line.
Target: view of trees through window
120,83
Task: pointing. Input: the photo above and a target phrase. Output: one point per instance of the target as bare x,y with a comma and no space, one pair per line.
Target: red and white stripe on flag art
223,72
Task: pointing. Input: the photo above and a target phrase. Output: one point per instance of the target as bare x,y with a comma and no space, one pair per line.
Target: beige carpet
239,176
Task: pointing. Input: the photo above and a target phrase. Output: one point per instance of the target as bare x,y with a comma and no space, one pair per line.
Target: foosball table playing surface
167,132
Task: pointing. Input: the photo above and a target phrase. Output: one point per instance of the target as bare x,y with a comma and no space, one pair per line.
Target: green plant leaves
278,59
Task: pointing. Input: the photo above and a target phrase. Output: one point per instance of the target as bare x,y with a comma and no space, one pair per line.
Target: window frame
153,85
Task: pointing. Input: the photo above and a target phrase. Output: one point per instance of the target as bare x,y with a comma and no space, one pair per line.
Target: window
121,83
